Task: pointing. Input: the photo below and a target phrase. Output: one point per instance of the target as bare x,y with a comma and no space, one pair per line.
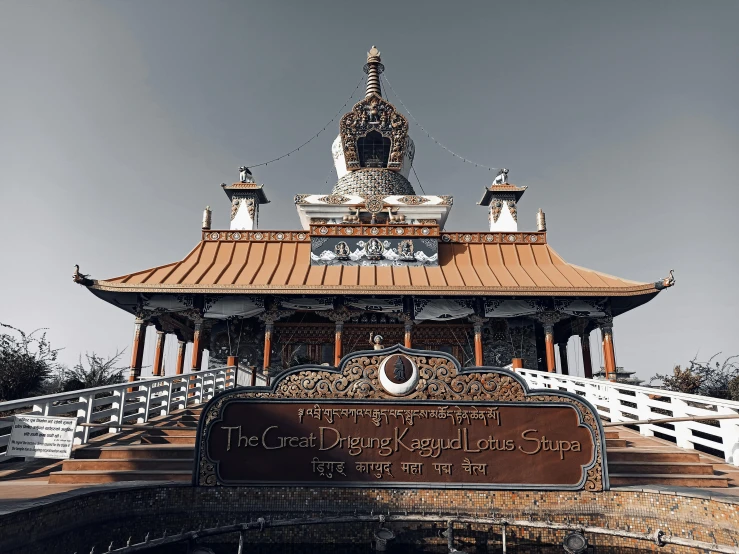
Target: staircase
637,460
155,454
165,453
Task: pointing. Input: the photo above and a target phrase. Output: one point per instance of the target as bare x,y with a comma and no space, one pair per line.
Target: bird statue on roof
81,278
667,281
245,175
502,177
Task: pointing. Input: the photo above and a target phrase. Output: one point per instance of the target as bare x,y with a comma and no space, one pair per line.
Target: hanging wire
417,179
465,160
318,133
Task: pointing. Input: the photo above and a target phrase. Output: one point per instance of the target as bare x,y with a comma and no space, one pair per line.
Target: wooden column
477,323
268,328
337,342
137,349
587,362
181,347
517,363
197,346
564,365
408,340
158,369
547,320
609,356
549,345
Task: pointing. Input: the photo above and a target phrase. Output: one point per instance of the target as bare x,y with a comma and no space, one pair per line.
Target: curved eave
280,264
374,289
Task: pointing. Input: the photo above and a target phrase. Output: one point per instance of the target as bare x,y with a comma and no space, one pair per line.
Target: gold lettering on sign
407,416
414,468
474,469
543,444
327,468
378,469
443,469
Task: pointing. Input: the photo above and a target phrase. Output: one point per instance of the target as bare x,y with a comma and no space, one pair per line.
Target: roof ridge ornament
373,68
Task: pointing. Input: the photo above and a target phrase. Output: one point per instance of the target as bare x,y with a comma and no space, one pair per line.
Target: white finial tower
246,197
502,197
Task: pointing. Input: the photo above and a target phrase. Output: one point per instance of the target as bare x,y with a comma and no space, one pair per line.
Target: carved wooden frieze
374,114
400,417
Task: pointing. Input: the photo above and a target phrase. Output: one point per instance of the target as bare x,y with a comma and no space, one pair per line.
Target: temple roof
246,187
470,264
505,187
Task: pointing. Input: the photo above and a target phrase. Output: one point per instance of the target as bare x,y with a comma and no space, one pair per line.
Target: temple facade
372,263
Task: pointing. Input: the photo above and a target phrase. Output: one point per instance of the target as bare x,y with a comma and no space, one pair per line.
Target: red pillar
549,343
477,322
609,356
137,349
408,339
181,347
158,369
337,342
197,347
268,327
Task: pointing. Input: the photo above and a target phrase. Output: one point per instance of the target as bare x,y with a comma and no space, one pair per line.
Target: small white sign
42,437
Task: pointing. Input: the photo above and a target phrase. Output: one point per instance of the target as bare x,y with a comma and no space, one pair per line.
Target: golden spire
373,68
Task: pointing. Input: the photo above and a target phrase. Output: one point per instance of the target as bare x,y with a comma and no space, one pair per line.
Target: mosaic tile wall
97,518
368,182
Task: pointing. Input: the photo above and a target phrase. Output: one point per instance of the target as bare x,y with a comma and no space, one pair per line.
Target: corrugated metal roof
275,266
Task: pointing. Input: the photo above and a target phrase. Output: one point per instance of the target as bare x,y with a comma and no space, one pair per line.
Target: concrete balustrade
122,404
620,403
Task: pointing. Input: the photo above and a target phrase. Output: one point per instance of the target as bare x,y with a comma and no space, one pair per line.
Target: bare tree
711,378
97,372
27,360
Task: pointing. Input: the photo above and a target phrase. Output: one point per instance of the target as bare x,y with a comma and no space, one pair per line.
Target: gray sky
119,120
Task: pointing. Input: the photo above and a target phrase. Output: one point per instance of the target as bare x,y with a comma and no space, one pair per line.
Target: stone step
659,468
651,455
184,432
128,464
616,443
149,438
699,481
136,451
100,476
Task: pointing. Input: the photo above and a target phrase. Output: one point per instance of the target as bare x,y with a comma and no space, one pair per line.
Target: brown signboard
308,429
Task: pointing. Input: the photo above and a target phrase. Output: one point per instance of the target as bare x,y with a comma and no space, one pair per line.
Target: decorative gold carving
341,314
374,114
334,199
300,198
495,208
374,204
413,200
274,314
512,209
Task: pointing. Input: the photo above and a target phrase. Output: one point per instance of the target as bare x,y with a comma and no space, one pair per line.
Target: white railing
618,403
120,404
